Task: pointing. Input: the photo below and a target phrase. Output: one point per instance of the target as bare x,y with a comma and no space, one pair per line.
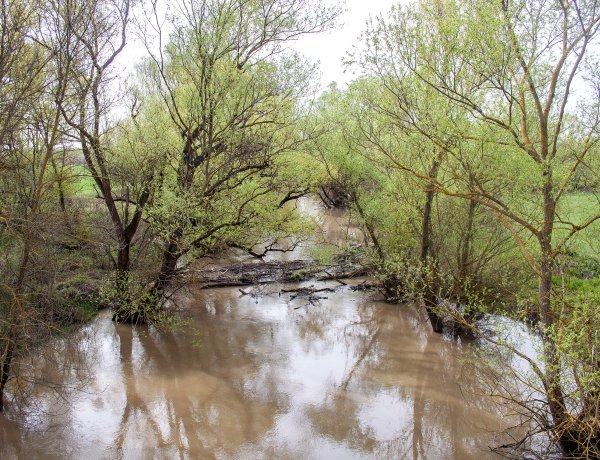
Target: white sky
329,49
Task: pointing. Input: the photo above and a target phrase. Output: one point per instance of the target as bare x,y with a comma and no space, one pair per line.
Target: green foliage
81,183
299,275
326,254
130,301
577,336
229,128
84,309
475,104
578,207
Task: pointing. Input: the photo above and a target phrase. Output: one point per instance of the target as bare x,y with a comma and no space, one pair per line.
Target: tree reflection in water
346,378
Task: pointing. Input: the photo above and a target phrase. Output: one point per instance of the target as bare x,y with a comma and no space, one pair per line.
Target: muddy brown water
260,377
254,377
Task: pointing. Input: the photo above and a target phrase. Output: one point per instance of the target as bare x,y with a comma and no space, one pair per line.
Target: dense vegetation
467,147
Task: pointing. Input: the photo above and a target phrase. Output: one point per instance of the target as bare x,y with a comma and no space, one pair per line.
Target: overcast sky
329,48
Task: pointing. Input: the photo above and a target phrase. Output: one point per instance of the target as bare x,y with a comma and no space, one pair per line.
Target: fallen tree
249,273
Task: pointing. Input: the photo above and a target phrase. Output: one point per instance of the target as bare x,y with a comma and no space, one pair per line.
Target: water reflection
350,377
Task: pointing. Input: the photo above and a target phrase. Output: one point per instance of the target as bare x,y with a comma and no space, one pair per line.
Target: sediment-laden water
261,377
256,376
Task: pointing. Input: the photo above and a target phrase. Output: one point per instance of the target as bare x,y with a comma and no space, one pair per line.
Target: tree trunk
14,318
7,357
465,251
370,228
123,261
552,378
427,257
61,199
426,229
171,255
171,251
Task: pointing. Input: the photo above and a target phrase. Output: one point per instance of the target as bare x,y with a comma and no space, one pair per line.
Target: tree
231,91
426,244
96,33
31,131
512,67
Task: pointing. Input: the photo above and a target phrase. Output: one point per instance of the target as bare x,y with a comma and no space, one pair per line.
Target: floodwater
256,376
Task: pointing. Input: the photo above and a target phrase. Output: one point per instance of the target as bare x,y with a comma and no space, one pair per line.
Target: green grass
582,264
88,309
299,275
83,185
577,208
584,285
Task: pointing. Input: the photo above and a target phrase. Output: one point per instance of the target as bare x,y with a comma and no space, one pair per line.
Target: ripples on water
257,377
350,377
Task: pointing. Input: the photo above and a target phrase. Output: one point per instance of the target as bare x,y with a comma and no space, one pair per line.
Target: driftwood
306,290
254,291
251,273
365,286
310,293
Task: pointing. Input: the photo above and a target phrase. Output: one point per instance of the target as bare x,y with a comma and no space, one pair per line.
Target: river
348,376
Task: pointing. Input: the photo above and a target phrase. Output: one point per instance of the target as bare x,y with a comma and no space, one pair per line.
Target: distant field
83,184
578,208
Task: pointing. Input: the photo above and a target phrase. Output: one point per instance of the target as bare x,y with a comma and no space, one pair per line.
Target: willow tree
525,74
232,92
400,114
96,34
380,150
30,133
